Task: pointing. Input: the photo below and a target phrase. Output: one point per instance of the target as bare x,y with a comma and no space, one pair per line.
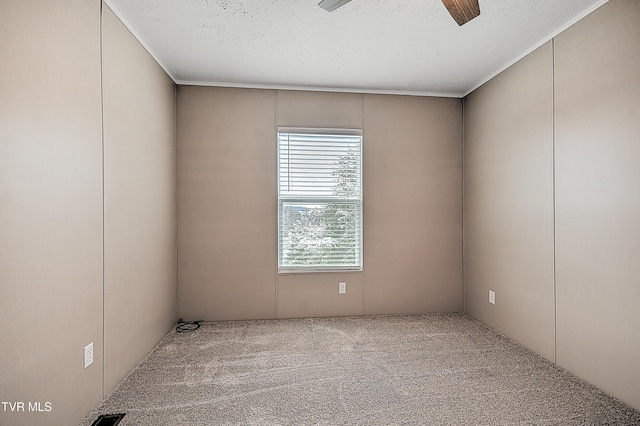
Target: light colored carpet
437,369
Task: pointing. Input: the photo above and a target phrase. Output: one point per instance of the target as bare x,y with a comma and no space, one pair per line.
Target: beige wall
508,202
598,198
316,295
596,73
226,204
139,201
53,297
50,208
412,204
227,227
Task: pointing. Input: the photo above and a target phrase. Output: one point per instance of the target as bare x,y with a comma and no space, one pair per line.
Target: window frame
280,201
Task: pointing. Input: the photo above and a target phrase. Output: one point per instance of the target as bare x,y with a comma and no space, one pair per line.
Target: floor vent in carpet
108,420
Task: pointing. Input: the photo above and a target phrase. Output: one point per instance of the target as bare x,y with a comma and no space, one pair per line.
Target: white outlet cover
492,297
342,288
88,355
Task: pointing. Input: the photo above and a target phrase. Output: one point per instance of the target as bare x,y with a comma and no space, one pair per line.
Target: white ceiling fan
462,11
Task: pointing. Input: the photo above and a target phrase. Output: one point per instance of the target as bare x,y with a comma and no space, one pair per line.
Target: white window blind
319,199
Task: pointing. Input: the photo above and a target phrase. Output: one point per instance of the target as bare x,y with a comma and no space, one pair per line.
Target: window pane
319,165
319,199
320,234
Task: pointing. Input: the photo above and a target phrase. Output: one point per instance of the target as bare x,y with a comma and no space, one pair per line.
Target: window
319,199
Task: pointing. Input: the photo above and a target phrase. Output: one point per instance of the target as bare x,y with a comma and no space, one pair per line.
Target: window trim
279,202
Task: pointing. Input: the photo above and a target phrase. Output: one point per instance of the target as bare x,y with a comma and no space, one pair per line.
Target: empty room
293,212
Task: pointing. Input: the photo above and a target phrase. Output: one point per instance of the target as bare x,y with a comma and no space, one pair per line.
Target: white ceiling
373,46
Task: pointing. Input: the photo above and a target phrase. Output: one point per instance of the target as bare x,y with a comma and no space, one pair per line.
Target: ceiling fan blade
462,10
331,5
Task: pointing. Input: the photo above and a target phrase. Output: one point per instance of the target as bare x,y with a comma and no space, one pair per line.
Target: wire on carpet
187,326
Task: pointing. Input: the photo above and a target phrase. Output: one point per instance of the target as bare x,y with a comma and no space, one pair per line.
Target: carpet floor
436,369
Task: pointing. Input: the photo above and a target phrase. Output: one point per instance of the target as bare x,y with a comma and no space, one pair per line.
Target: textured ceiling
401,46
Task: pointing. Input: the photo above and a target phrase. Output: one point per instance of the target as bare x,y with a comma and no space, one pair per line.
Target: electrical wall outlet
88,355
492,297
342,288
